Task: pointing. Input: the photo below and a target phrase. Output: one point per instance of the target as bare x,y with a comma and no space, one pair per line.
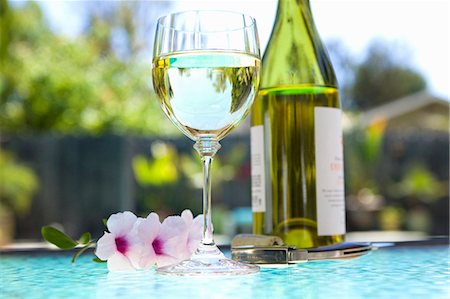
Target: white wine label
329,171
257,169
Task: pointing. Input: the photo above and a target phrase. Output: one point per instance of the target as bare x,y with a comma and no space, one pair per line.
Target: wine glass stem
207,237
207,148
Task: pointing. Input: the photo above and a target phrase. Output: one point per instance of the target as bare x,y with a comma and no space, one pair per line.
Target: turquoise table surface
390,272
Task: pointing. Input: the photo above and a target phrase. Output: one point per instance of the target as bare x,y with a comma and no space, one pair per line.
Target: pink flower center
158,246
121,245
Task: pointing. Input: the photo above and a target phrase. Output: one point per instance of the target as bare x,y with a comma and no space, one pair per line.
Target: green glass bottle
296,136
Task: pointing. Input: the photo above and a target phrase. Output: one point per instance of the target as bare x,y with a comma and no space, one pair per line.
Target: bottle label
257,168
329,171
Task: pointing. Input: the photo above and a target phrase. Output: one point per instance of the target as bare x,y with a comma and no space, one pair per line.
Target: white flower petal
172,226
106,246
153,216
134,255
173,235
198,220
133,237
187,216
165,260
119,262
195,233
121,223
146,258
196,229
149,228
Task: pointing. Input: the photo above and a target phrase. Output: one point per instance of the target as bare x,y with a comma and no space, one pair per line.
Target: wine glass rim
250,18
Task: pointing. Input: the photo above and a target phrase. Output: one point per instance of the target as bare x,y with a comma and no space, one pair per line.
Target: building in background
398,166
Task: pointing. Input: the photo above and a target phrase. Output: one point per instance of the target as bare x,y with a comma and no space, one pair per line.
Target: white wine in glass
206,93
206,72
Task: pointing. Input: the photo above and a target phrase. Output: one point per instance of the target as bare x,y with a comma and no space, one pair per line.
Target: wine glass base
218,267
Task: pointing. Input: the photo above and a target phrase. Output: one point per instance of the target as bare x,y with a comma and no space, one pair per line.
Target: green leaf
85,238
105,222
58,238
97,260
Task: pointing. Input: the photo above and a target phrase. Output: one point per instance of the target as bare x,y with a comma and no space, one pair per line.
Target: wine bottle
296,136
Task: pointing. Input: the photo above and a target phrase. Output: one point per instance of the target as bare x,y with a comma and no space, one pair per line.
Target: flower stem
80,252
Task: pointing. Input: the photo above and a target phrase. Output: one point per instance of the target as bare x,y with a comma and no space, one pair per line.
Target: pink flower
138,243
118,246
194,229
161,244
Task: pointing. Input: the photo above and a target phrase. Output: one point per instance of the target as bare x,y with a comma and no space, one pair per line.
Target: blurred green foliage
391,218
419,182
18,183
164,184
159,172
406,195
171,180
362,154
51,83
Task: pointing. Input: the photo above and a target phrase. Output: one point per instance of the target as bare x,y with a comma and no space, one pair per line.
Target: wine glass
206,71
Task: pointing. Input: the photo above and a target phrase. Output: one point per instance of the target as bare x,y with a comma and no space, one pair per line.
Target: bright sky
422,26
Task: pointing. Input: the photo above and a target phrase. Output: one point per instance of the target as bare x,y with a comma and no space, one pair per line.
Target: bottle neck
296,13
295,54
288,8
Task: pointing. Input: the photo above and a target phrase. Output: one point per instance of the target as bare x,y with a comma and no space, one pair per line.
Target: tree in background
85,85
382,76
